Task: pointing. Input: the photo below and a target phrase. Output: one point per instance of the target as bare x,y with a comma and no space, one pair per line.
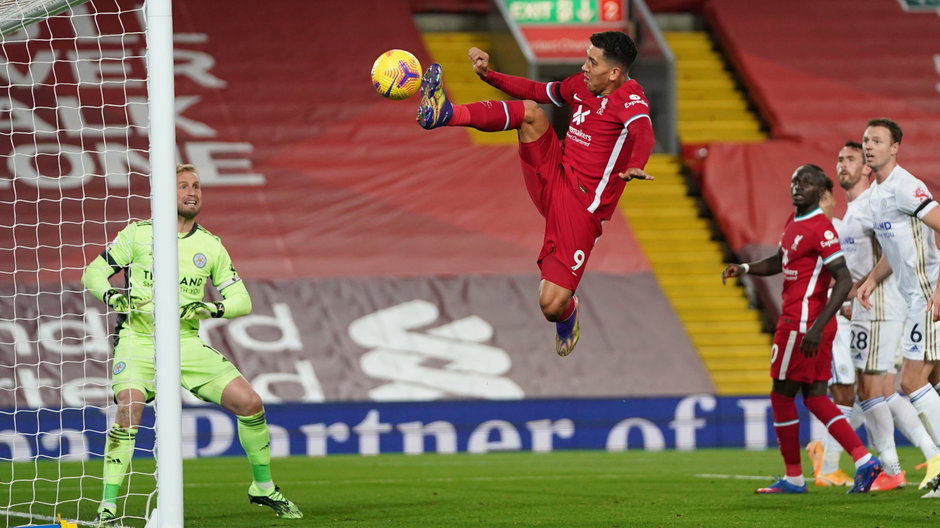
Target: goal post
166,269
87,145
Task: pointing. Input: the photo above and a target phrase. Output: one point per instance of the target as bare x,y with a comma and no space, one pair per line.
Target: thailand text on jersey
897,205
861,249
202,260
598,145
808,243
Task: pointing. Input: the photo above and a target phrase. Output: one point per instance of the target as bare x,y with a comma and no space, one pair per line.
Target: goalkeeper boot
105,518
568,332
435,110
274,499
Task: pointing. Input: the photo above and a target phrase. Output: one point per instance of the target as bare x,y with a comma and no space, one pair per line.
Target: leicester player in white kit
906,219
876,332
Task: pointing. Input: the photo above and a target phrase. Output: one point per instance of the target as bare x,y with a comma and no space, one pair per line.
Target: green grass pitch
703,488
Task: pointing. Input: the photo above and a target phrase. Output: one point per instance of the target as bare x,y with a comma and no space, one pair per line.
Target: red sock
489,116
837,424
569,310
787,427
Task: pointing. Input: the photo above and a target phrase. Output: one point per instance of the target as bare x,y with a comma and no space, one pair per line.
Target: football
396,74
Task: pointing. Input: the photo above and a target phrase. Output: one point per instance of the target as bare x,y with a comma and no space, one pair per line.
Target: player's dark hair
853,145
818,175
618,47
894,128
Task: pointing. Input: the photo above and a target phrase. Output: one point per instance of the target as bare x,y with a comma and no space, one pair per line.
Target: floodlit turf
561,489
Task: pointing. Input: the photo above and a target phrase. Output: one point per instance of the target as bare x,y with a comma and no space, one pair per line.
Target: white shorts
876,345
843,372
919,339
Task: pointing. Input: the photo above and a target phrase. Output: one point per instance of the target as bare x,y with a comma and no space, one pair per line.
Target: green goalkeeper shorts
203,370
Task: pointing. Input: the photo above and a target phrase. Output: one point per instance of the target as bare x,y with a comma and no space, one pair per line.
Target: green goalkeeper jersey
203,260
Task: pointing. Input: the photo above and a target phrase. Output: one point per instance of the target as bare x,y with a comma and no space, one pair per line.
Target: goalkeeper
204,372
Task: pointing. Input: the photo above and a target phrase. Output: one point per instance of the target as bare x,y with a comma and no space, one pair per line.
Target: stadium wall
374,339
369,428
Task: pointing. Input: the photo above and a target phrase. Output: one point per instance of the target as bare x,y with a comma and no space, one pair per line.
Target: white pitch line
398,480
741,477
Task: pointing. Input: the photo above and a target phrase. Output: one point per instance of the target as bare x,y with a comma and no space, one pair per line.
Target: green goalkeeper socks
118,452
256,441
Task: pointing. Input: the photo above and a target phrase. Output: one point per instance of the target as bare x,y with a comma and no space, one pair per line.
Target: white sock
927,402
796,481
832,450
881,428
862,461
856,417
907,421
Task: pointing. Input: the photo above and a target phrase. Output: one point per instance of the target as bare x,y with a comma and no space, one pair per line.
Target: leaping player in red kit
575,185
809,256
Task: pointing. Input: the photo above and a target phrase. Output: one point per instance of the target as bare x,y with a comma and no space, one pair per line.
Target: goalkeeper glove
117,301
195,311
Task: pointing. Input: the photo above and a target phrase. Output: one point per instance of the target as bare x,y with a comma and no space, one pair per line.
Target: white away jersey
861,251
897,205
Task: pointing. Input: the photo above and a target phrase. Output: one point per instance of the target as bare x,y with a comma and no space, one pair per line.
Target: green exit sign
553,11
920,5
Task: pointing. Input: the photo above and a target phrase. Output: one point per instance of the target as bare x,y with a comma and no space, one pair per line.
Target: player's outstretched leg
275,500
435,110
568,332
781,486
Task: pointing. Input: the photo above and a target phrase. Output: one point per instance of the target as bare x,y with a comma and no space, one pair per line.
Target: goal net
74,170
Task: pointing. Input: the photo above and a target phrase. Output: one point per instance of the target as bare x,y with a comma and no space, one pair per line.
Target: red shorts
570,229
787,362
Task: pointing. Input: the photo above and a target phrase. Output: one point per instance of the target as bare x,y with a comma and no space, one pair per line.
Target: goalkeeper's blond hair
186,167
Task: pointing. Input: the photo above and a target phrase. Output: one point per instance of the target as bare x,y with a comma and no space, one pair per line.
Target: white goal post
87,144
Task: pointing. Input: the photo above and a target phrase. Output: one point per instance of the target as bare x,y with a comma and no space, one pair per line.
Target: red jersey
606,135
598,144
808,243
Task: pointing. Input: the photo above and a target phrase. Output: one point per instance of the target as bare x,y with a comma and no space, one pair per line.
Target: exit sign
544,12
920,5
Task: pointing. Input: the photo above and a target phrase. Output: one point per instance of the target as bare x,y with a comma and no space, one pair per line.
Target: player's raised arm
480,61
